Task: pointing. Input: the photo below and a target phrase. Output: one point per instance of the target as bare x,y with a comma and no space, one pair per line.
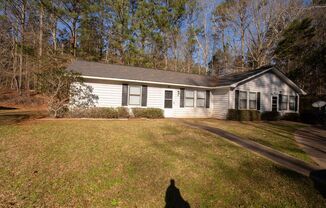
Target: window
284,103
252,101
200,99
243,100
189,98
292,103
134,95
168,99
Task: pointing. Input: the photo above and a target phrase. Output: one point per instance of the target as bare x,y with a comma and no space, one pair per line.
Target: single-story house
183,95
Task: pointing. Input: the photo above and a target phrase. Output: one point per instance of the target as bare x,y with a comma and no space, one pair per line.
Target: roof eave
292,84
153,82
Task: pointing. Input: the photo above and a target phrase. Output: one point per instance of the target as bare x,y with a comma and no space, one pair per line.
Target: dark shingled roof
95,69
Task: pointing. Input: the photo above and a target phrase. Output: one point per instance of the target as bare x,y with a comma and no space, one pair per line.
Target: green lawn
130,163
277,135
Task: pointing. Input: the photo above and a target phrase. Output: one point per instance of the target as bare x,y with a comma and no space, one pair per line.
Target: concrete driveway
313,142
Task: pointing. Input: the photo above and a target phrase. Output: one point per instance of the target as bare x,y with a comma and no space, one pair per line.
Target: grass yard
81,163
277,135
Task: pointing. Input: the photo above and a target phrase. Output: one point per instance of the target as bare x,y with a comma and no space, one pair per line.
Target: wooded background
191,36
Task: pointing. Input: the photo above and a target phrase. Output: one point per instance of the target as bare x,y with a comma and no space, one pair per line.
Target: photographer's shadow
173,198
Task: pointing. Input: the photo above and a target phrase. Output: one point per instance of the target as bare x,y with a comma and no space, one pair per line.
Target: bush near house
148,113
291,117
123,112
243,115
97,112
270,116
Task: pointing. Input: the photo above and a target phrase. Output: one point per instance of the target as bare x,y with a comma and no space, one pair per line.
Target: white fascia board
151,82
234,85
289,82
276,72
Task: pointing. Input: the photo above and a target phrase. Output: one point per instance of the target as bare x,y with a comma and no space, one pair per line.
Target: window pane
243,95
134,100
135,90
292,103
200,102
243,104
168,95
284,98
252,96
292,106
189,102
168,104
284,106
201,94
189,93
252,104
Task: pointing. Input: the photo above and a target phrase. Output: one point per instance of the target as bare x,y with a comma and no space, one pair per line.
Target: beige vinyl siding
266,84
219,103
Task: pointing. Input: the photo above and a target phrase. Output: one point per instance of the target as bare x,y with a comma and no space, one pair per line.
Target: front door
274,103
168,103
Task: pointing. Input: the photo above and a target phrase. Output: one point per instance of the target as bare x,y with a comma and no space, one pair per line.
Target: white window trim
140,96
243,99
249,100
289,103
168,99
194,98
201,98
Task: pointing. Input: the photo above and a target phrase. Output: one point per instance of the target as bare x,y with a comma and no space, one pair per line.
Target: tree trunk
40,40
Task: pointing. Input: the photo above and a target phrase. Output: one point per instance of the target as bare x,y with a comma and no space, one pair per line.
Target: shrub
93,113
243,115
291,117
148,112
270,116
313,117
123,112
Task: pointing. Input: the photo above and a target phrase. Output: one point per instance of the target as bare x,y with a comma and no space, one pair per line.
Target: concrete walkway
280,158
313,141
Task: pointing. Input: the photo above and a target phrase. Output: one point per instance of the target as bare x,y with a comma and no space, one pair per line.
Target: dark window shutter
236,99
182,97
279,101
258,100
124,95
144,95
296,103
208,100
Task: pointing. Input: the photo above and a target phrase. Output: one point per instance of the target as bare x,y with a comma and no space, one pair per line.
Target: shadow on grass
173,198
319,179
7,108
12,117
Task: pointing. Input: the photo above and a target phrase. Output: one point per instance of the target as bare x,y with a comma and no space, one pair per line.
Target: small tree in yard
63,89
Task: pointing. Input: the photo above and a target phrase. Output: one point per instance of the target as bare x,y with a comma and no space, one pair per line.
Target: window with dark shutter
124,101
258,100
296,103
144,96
182,98
236,99
168,99
208,98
